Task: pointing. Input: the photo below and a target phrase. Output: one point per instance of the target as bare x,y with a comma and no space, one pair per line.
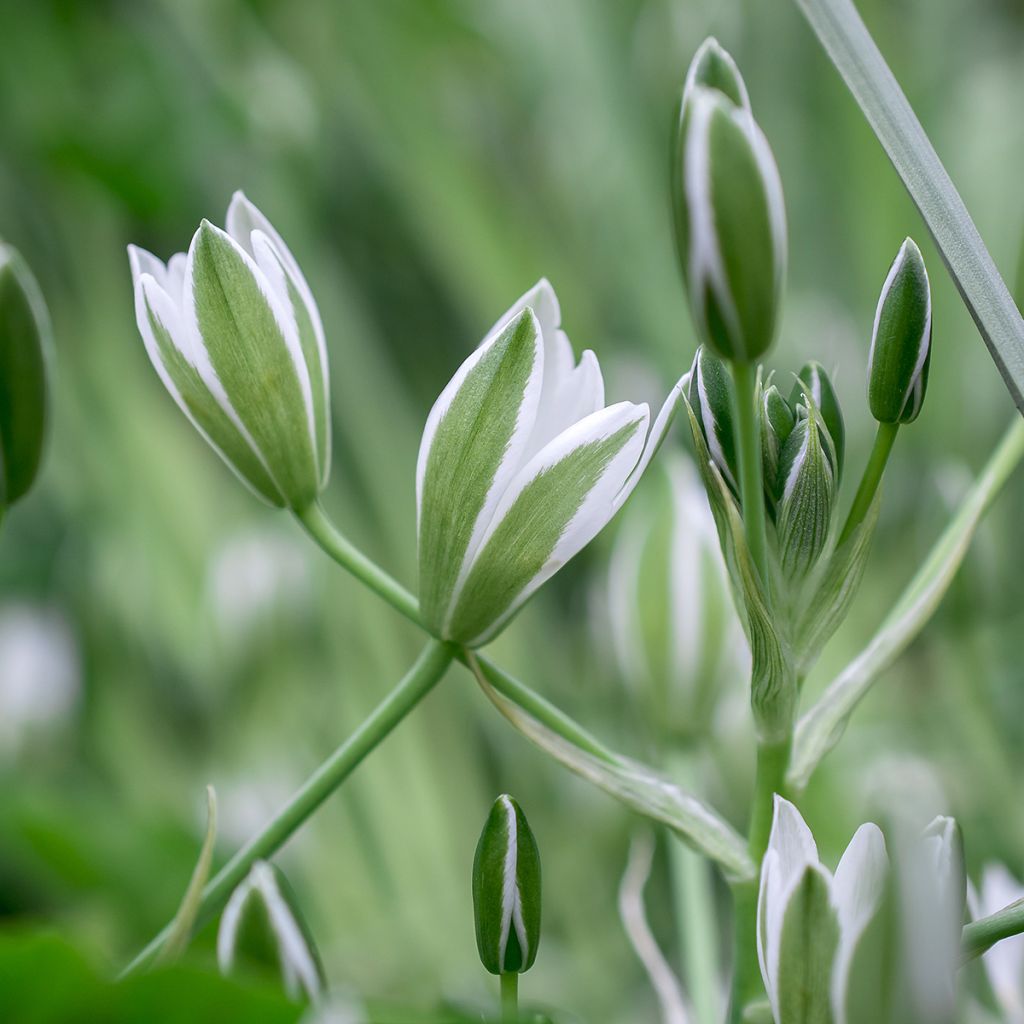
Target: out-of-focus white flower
40,672
253,575
674,629
810,922
235,335
520,466
1004,962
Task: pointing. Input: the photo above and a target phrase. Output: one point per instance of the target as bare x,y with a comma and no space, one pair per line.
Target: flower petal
555,506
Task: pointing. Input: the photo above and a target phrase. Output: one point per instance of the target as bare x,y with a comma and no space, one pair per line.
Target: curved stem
980,935
509,998
884,439
748,441
425,673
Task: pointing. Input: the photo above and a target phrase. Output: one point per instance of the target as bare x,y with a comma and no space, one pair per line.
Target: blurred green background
428,160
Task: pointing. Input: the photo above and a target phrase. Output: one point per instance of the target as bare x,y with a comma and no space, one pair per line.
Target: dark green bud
729,216
711,398
807,498
777,422
901,341
814,378
506,890
24,345
262,927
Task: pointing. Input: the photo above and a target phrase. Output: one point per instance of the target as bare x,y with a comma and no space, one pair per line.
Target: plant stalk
425,673
509,997
748,441
980,935
885,437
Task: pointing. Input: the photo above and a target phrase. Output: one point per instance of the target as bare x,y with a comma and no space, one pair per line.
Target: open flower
809,921
521,464
235,335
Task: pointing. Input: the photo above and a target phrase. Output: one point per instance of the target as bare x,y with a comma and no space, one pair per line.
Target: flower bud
234,333
901,340
814,378
24,344
711,398
730,219
713,67
808,495
506,891
261,925
777,423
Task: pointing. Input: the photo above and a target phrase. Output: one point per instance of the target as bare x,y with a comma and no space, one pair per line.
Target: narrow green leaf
821,727
632,783
181,927
852,50
808,944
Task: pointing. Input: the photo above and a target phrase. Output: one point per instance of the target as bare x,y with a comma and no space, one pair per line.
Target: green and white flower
262,925
730,220
818,384
711,395
810,922
235,335
901,340
506,890
24,398
520,466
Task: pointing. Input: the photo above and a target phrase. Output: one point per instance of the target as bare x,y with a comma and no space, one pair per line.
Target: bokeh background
427,161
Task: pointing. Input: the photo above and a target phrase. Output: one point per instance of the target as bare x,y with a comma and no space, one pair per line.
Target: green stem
884,439
425,673
772,761
979,935
509,998
696,922
330,539
748,441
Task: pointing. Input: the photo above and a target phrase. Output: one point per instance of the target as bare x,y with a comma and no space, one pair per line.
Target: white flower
809,922
521,464
1004,962
234,333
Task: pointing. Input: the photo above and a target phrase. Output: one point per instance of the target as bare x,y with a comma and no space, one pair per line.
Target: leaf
181,927
852,50
773,689
631,782
821,727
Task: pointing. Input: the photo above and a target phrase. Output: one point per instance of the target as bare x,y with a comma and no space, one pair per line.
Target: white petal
596,509
791,839
653,442
856,893
142,262
769,926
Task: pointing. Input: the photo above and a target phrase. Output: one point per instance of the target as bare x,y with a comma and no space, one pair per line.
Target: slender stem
696,923
509,998
979,935
425,673
772,761
330,539
748,440
884,439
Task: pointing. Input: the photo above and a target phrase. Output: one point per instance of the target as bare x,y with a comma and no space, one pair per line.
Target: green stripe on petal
245,339
519,549
494,402
193,395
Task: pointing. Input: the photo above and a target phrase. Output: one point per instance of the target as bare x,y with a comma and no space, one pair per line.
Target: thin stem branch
885,437
425,673
509,998
748,441
980,935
